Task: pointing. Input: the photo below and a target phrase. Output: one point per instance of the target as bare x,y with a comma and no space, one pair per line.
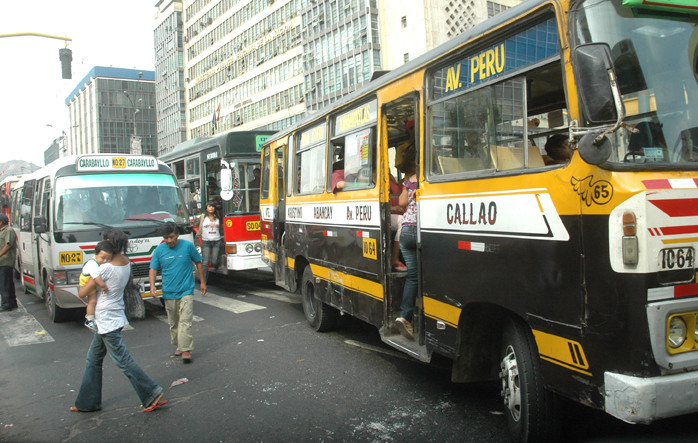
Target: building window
404,21
406,57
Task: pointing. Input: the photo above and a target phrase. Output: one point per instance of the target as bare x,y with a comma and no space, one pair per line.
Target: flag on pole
216,117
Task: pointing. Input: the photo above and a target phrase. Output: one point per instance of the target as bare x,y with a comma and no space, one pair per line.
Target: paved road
259,374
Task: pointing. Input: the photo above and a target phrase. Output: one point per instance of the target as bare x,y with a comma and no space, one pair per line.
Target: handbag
134,306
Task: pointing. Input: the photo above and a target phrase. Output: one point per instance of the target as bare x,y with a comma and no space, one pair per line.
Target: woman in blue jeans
210,235
111,318
408,247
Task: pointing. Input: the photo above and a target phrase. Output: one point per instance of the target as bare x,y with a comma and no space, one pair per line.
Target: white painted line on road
276,295
227,304
20,328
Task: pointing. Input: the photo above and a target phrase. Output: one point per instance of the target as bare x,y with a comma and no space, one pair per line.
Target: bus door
26,250
280,216
42,235
400,151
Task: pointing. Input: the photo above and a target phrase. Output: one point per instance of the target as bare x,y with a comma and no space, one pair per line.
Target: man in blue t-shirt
174,257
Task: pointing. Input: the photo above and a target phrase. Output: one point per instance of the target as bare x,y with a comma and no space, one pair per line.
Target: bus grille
140,270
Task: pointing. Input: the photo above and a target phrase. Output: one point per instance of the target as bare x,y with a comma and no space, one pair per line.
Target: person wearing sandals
110,318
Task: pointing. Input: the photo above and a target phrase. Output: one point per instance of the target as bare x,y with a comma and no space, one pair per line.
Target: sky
117,34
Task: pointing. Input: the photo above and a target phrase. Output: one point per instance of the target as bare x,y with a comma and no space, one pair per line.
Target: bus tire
528,406
55,313
320,316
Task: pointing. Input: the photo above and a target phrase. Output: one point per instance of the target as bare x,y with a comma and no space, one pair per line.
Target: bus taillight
630,252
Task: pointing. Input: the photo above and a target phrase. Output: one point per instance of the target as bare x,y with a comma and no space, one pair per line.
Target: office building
108,107
169,75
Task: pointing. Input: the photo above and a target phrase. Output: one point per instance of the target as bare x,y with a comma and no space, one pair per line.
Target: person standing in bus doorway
210,235
408,247
405,153
174,257
110,317
8,254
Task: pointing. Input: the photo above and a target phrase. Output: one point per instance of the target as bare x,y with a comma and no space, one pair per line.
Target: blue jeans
210,250
90,394
408,247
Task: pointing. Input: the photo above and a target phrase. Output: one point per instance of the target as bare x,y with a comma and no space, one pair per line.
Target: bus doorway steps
410,347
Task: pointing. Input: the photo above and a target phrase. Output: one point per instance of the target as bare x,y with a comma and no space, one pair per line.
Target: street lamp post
135,140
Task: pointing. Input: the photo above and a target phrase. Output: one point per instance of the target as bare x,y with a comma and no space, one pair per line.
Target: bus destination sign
94,163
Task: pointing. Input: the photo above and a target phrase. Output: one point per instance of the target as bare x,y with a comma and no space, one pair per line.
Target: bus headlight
257,247
677,332
249,248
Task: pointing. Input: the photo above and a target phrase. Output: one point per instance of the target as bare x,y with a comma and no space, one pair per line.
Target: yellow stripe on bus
351,282
680,240
562,351
439,310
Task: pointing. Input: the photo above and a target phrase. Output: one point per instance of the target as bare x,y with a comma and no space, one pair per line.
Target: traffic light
66,56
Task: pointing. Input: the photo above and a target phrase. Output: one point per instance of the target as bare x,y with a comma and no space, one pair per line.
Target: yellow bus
559,276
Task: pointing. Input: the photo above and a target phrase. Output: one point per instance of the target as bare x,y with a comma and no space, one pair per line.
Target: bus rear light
629,225
231,249
630,244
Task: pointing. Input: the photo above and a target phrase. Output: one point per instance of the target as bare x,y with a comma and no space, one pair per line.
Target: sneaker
405,328
91,325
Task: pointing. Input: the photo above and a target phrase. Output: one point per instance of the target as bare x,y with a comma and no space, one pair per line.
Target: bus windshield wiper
89,223
156,220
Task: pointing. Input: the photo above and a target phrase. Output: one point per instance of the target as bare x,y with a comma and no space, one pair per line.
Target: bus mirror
40,225
594,151
226,184
595,76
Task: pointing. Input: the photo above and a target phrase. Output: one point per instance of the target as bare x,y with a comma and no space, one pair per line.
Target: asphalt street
259,374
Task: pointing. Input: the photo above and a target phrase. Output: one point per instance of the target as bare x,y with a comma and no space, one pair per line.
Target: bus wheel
55,313
321,316
528,405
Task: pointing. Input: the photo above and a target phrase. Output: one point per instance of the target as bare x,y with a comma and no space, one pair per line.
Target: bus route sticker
370,248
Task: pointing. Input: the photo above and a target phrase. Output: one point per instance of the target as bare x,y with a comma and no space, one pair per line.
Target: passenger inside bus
338,182
558,150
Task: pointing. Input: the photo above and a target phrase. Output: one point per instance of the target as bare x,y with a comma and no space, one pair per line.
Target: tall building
264,63
169,75
341,48
243,64
410,28
108,107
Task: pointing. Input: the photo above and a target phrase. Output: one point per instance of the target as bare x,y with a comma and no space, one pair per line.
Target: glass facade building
107,107
169,75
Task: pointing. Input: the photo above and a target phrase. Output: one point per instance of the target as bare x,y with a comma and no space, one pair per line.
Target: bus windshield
117,200
655,57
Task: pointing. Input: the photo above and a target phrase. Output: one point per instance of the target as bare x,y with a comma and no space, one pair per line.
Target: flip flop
156,403
400,267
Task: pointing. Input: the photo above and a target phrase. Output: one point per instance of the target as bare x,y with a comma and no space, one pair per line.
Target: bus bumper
243,263
643,400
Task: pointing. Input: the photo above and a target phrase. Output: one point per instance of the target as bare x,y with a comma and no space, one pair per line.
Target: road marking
276,295
228,304
20,328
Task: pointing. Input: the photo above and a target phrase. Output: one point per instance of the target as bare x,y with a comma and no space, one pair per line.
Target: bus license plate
676,258
252,225
70,258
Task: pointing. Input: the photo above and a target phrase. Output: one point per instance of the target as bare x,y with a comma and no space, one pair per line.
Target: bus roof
439,52
232,142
